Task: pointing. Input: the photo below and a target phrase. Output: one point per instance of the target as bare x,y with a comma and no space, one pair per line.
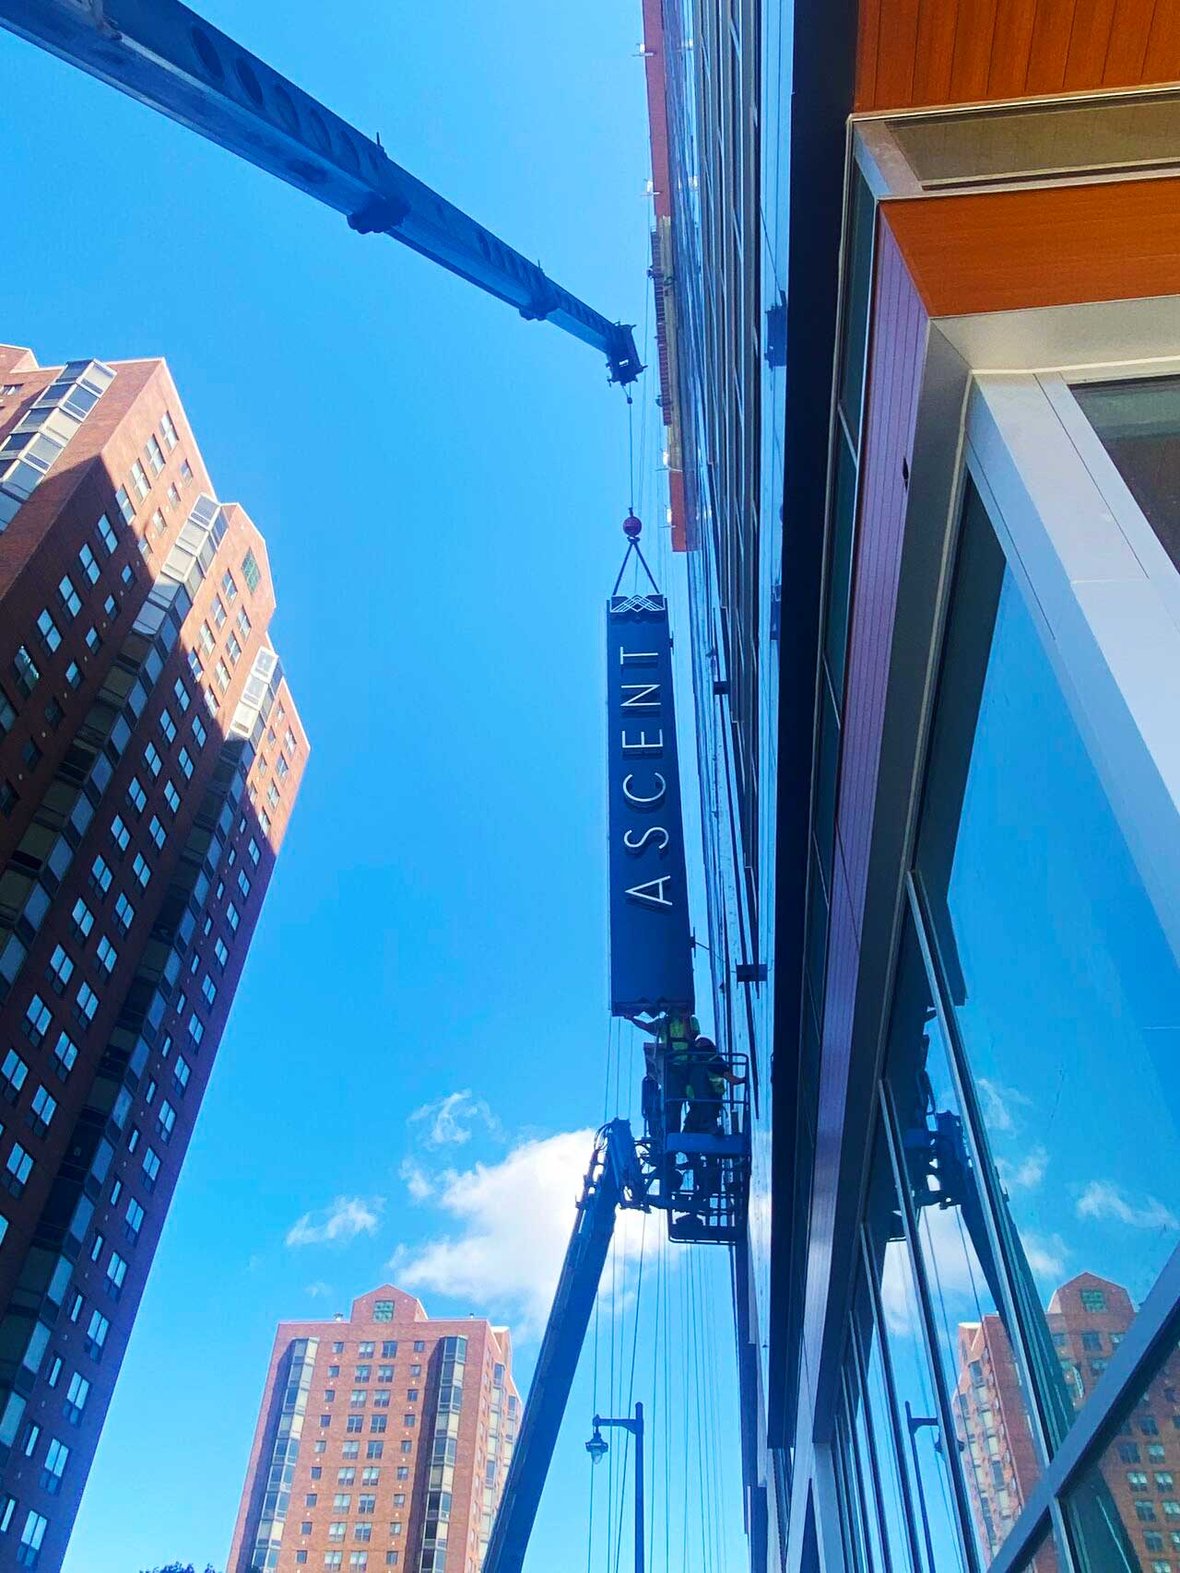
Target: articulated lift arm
168,57
614,1180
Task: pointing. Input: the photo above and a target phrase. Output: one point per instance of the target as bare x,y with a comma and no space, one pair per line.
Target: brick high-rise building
150,754
1088,1317
382,1441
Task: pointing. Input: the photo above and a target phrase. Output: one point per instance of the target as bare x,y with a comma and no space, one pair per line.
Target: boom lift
171,59
651,1173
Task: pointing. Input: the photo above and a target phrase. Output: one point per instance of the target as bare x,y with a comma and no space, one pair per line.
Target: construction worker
669,1057
708,1077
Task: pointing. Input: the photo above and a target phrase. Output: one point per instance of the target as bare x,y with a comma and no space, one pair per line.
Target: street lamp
598,1446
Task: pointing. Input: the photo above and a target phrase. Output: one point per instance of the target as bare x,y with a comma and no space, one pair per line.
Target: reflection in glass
1139,424
925,1451
882,1438
1065,990
1044,1559
1041,140
1124,1515
996,1447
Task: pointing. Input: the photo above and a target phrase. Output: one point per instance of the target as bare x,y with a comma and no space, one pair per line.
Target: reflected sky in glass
926,1451
1000,1461
1066,993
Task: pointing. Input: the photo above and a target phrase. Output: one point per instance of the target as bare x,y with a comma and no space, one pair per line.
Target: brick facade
150,753
350,1466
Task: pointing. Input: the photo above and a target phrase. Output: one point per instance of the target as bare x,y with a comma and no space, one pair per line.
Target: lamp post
597,1447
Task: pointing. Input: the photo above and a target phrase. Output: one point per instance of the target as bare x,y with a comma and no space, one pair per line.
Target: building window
151,1168
96,1334
155,455
29,1551
86,1004
27,672
116,1273
184,759
199,731
59,970
88,564
13,1073
48,630
17,1168
250,572
141,870
43,1110
76,1396
168,431
229,587
37,1019
1093,1300
65,1052
126,507
57,1456
107,955
173,495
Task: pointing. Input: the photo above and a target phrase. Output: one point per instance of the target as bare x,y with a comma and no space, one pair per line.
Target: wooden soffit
913,53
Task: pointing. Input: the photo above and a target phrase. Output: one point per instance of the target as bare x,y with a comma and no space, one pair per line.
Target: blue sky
440,485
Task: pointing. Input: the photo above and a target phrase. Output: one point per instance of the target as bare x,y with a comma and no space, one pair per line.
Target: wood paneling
1001,251
921,52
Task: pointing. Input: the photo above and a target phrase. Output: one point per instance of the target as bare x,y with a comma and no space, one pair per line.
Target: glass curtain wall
1024,1190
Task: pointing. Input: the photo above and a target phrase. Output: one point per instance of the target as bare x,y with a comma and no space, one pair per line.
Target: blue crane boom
168,57
615,1179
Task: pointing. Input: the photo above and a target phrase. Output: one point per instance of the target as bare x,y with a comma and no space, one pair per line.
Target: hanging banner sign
650,939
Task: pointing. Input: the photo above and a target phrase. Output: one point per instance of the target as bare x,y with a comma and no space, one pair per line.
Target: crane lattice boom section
170,58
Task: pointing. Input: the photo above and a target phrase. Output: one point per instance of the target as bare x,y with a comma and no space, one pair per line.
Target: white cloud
344,1220
1046,1255
513,1221
418,1182
1103,1201
1000,1104
450,1121
318,1290
1025,1175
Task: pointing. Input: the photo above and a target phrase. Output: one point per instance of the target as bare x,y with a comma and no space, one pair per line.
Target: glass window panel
1041,140
868,1485
927,1454
882,1437
999,1458
1116,1524
1064,988
858,286
1139,425
840,565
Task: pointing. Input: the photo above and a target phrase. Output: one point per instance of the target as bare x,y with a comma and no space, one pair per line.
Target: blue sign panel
650,940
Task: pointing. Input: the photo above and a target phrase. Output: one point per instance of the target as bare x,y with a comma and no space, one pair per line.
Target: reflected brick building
1088,1317
150,754
382,1441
